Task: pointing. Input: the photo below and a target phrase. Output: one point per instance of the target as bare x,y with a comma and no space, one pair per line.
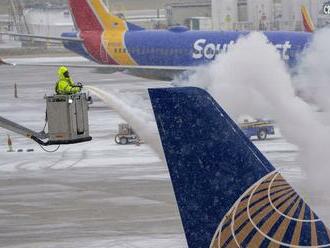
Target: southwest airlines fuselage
175,47
116,44
110,40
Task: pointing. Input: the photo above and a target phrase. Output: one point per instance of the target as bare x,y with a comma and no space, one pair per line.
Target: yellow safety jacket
65,86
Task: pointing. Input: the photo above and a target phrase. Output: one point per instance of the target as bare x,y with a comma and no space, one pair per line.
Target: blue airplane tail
228,193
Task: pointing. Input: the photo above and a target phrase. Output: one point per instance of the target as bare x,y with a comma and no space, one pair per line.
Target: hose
44,149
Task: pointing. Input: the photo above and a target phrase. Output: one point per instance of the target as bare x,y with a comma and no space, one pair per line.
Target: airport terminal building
53,18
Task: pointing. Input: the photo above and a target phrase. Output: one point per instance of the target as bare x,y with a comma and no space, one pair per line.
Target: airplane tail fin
228,193
93,15
307,20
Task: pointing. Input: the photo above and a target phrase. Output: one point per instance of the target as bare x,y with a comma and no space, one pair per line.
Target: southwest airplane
228,193
116,44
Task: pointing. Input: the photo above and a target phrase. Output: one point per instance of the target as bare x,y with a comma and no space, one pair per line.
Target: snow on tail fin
228,193
307,20
84,16
93,15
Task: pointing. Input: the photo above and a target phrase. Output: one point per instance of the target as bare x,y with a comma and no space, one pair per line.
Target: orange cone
10,144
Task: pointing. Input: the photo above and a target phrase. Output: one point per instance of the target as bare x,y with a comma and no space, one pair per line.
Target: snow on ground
173,241
95,194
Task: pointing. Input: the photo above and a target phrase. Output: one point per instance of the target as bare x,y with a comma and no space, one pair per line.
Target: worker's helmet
62,71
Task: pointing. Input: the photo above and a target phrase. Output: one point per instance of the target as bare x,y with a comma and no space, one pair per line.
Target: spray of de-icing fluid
251,78
142,122
313,75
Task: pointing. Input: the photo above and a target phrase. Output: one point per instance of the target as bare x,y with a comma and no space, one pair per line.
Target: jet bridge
67,117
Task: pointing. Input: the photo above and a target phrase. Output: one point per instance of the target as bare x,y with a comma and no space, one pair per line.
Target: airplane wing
228,193
42,37
167,73
91,66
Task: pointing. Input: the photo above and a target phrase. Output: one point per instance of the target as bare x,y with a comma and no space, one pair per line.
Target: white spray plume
253,79
313,76
142,122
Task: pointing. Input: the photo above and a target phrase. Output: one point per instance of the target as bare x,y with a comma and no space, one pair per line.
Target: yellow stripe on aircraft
114,43
108,21
307,18
113,37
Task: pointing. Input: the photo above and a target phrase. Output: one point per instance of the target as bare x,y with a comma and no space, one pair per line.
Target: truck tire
262,135
123,141
117,139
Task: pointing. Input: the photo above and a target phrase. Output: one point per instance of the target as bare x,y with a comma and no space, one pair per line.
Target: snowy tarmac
97,194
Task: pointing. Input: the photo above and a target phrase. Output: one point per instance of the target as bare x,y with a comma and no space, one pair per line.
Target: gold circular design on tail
278,211
259,209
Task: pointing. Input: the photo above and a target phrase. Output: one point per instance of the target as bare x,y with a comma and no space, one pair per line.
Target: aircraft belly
165,75
77,48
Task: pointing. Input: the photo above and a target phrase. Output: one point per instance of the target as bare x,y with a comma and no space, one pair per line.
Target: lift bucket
67,119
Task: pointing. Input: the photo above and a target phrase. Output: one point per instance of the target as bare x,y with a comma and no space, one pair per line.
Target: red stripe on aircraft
93,45
307,26
84,16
